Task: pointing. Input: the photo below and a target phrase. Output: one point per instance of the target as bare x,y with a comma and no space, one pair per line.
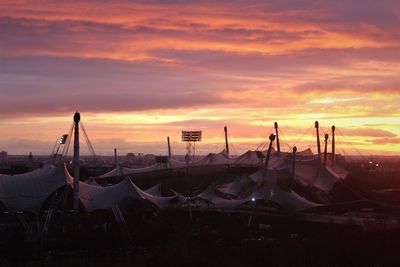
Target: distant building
3,156
130,157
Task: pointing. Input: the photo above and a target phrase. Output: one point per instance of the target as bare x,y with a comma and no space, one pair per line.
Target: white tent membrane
28,191
249,159
337,170
213,159
305,153
315,174
121,171
154,190
177,164
236,187
92,181
272,191
276,160
95,197
309,169
159,201
218,202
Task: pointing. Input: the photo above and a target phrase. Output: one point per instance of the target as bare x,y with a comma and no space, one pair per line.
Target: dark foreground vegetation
172,238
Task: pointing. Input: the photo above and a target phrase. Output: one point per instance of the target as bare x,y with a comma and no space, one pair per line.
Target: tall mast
294,161
333,145
271,140
115,156
169,148
278,146
226,140
326,148
77,118
318,141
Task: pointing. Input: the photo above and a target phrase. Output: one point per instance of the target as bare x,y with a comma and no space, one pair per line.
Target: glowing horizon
140,71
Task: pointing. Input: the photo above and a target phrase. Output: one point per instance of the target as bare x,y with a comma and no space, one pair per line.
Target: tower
191,137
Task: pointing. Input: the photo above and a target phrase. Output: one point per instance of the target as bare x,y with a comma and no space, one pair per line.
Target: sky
139,71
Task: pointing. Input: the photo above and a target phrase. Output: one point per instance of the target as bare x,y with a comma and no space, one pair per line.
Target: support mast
333,145
318,140
226,140
294,162
115,156
169,148
326,148
271,140
77,118
278,146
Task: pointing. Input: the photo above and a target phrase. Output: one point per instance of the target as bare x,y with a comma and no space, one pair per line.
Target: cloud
367,132
244,64
385,141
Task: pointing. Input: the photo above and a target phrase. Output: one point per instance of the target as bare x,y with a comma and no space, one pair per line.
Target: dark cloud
65,84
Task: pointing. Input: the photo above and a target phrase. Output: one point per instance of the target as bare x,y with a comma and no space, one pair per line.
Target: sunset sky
139,71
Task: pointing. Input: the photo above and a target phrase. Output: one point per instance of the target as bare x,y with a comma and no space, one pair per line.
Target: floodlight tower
191,137
60,142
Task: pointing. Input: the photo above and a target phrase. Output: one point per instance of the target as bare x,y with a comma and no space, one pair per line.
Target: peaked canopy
159,201
219,202
272,191
236,187
211,159
249,159
28,191
96,197
309,169
121,171
155,190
